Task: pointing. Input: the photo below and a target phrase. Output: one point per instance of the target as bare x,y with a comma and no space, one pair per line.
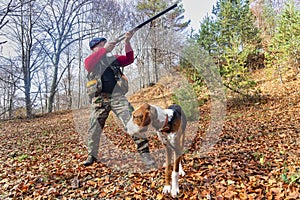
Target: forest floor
256,155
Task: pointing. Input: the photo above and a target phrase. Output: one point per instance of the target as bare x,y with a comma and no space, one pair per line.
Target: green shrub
186,98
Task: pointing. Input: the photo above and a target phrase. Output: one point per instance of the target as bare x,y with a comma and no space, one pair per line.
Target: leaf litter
256,156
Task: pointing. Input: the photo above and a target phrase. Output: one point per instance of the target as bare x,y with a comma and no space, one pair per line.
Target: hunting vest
94,84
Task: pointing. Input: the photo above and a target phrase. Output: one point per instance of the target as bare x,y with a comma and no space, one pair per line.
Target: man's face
99,46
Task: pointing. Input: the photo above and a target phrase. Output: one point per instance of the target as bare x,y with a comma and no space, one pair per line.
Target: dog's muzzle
131,128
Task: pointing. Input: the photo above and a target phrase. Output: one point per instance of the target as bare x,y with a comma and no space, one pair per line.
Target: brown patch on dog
175,125
141,116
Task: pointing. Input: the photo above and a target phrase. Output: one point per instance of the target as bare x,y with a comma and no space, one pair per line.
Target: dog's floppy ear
146,118
146,114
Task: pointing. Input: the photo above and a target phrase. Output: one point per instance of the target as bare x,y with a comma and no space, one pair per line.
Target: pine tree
231,37
284,48
206,36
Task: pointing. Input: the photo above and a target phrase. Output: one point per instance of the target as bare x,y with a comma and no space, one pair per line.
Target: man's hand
128,36
109,46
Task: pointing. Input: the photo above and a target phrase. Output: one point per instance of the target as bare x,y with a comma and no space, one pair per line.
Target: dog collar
165,127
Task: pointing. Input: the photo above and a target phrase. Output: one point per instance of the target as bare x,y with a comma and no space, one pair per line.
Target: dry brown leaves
256,157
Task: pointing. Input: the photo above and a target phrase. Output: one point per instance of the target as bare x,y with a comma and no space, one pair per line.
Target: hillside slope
256,155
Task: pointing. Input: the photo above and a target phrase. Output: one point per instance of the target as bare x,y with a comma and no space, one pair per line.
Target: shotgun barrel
122,36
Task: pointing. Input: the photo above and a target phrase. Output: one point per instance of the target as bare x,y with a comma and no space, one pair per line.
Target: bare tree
65,90
59,23
68,82
266,13
9,80
159,39
111,18
4,11
21,30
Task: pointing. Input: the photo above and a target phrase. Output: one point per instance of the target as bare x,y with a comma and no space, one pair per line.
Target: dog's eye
137,116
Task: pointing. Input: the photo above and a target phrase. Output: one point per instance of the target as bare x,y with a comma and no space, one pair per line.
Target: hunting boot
89,161
142,145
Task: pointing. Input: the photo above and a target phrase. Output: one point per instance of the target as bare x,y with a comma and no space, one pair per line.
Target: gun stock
122,36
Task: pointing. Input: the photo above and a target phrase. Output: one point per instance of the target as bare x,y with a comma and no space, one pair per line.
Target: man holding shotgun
107,88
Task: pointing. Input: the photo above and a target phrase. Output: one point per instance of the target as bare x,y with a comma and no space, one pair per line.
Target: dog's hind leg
181,171
176,167
168,169
181,144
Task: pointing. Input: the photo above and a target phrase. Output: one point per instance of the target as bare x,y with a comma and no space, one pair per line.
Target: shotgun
122,36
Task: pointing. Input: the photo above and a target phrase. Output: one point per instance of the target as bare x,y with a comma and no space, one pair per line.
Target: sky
196,10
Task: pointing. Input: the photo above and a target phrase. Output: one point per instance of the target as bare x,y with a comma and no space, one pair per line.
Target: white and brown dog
170,125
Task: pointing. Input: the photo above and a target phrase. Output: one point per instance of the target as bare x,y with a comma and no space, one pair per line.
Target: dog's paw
181,172
167,189
175,191
175,185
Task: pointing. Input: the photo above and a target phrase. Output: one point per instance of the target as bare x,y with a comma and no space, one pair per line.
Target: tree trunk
27,98
54,84
69,93
53,89
79,74
26,52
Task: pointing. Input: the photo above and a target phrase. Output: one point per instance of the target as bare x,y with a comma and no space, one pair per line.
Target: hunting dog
170,125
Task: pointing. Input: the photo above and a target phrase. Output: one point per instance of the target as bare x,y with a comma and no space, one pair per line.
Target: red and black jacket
108,75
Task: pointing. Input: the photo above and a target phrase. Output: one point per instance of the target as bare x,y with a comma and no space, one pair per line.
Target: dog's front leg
168,169
175,186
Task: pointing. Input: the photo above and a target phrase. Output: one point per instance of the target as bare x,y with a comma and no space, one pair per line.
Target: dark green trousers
100,109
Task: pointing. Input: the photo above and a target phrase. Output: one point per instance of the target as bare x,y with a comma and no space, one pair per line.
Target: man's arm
127,59
91,61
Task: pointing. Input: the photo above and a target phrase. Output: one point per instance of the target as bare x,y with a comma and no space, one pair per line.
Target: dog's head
140,119
141,116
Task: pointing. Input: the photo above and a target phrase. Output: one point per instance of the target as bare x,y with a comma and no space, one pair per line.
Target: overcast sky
196,10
